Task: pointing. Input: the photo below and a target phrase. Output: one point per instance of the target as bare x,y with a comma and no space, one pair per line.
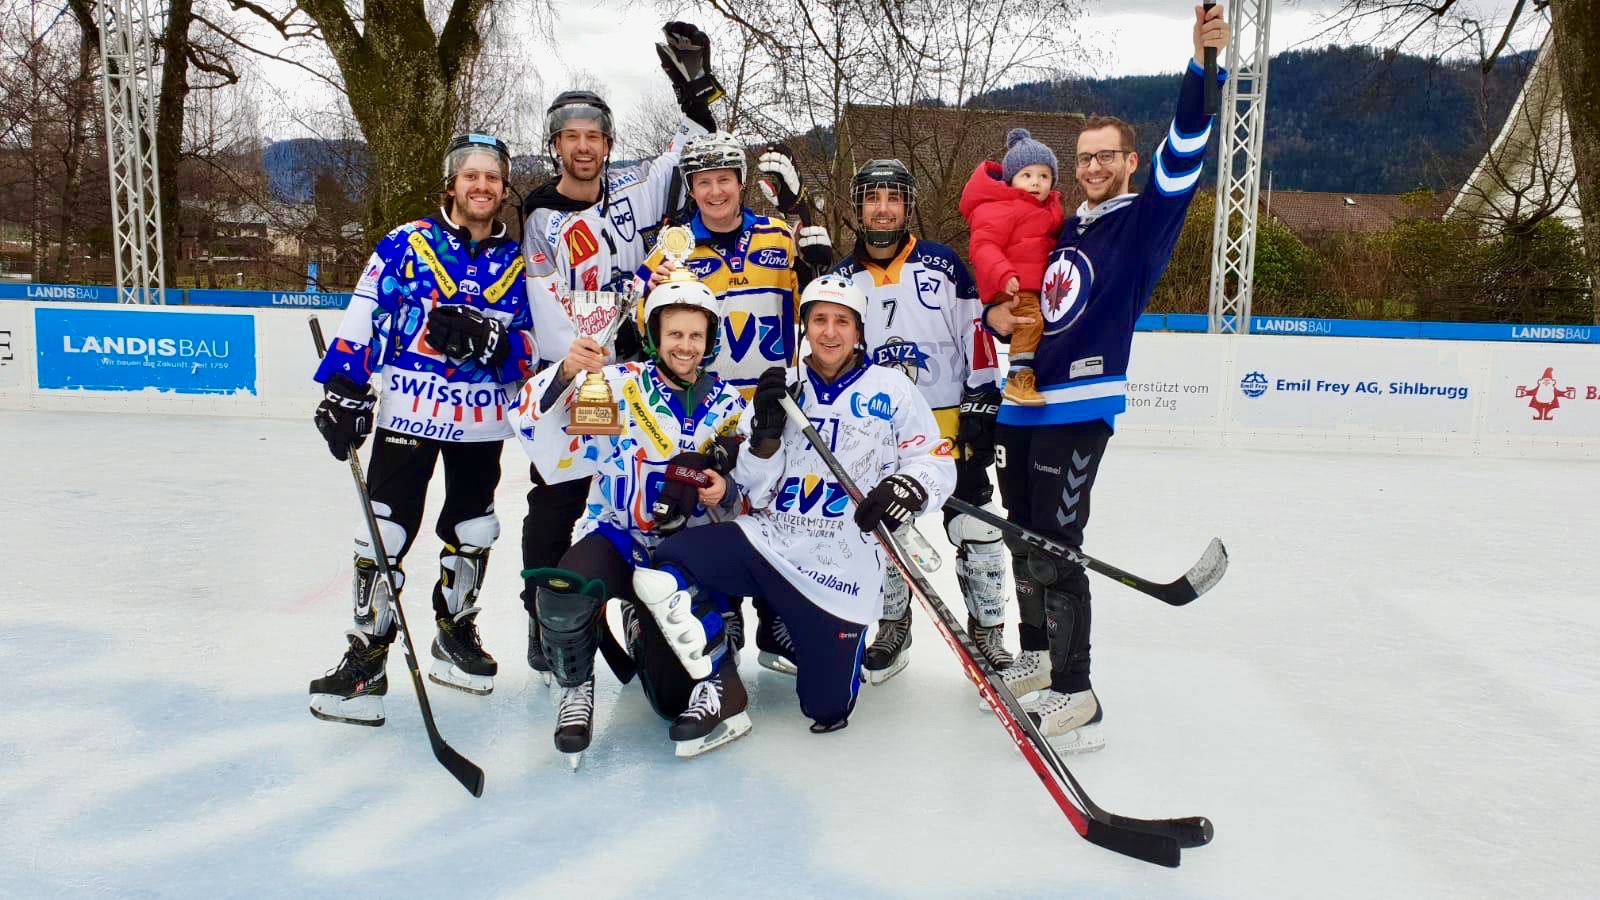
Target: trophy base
595,420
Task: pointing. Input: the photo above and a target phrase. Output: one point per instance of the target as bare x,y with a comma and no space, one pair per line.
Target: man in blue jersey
1101,274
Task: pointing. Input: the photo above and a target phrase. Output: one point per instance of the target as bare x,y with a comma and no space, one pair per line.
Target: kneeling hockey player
821,571
660,475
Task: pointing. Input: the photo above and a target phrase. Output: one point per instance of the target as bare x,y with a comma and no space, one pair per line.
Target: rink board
1270,391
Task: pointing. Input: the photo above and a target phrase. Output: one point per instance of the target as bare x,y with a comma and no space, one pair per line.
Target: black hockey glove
975,428
463,333
767,417
816,247
725,453
686,474
686,58
345,415
895,501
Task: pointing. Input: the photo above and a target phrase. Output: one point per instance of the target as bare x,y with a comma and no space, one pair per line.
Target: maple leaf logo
1056,289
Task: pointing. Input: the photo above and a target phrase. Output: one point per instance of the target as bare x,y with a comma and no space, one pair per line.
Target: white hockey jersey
803,522
923,318
597,247
629,467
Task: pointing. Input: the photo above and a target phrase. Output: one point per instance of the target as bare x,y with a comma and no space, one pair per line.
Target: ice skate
992,642
716,715
536,658
575,721
1029,672
775,644
460,661
1070,722
353,691
1020,389
890,650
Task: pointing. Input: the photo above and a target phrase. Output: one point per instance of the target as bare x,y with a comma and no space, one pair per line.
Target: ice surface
1391,694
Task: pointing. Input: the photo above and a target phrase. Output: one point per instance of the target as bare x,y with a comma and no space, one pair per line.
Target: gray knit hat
1023,151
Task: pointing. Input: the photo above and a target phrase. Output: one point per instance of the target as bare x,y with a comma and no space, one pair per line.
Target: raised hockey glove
344,417
780,181
465,334
686,58
895,501
766,417
685,475
816,247
975,426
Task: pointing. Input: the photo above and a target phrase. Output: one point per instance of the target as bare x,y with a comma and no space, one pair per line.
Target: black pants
1046,475
547,528
662,676
398,473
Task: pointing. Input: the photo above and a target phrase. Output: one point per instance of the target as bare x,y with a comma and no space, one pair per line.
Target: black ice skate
353,691
575,721
890,650
992,641
775,644
536,658
459,658
716,714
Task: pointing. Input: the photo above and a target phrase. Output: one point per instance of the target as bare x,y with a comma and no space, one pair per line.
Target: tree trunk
80,104
170,105
1576,31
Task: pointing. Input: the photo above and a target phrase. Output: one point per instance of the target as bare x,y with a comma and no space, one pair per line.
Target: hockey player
1111,253
657,477
588,229
804,548
922,319
441,315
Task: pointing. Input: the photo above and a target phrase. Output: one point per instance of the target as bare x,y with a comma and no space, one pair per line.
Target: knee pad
1052,572
480,532
568,607
392,533
981,573
374,601
1067,622
963,528
461,571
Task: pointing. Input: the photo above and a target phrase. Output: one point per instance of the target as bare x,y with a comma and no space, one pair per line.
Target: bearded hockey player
922,319
441,317
817,564
588,229
661,475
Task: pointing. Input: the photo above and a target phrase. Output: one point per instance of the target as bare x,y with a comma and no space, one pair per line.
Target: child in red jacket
1015,218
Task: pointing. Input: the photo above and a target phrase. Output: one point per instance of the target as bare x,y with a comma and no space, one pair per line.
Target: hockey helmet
683,292
883,173
717,150
465,145
577,106
834,288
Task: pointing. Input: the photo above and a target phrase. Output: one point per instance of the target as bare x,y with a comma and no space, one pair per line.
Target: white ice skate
1029,672
1070,722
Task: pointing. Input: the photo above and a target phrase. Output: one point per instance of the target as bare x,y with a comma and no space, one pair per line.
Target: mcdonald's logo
580,243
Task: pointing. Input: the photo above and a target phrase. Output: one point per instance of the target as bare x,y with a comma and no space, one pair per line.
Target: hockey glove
465,334
725,454
766,422
345,415
895,501
780,181
686,474
816,248
686,58
975,427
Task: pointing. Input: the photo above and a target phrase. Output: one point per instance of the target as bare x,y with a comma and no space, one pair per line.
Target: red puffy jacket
1012,233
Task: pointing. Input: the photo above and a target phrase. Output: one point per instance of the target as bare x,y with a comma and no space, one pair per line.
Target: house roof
1333,212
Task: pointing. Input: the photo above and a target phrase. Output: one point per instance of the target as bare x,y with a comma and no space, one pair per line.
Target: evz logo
927,289
900,354
804,493
878,407
741,331
622,217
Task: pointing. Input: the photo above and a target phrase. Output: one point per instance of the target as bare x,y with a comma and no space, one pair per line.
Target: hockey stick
464,770
1201,577
1213,100
1158,841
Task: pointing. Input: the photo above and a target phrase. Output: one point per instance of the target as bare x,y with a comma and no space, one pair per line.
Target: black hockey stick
464,770
1201,577
1213,101
1158,841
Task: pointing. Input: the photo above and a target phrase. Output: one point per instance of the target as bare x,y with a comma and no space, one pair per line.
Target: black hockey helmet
577,105
464,145
883,173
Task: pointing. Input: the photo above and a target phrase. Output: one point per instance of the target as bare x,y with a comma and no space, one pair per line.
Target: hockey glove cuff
895,501
975,426
344,418
685,475
767,416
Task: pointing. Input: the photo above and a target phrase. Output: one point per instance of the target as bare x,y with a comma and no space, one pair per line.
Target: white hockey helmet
685,293
717,150
835,288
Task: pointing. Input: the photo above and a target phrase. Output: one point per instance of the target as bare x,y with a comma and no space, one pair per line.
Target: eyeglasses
1106,157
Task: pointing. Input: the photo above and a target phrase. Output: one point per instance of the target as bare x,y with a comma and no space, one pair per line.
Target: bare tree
1446,27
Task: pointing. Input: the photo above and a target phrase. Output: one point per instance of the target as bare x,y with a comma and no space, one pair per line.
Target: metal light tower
128,84
1244,116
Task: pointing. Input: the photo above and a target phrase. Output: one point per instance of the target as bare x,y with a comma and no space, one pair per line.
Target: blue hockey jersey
416,267
1102,273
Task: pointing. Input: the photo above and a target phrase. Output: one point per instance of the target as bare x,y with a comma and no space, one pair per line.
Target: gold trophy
597,315
677,245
